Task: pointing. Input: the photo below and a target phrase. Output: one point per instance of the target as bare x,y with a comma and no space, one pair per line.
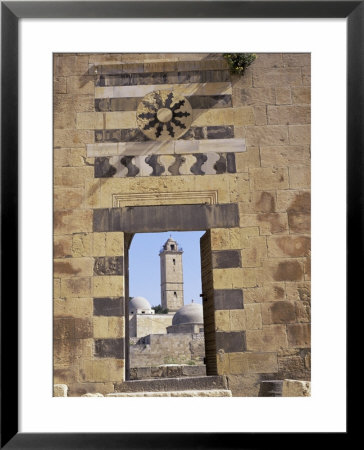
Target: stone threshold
190,393
215,382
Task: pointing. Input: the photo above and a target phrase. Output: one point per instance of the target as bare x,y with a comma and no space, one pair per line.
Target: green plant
159,310
238,62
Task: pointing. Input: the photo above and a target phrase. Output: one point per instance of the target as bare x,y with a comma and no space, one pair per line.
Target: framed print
144,131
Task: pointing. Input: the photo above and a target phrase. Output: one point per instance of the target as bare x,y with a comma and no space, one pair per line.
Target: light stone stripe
210,88
166,147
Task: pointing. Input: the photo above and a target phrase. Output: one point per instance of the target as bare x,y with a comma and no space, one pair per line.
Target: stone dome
138,303
192,313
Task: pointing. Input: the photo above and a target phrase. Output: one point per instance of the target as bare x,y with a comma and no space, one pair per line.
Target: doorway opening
164,308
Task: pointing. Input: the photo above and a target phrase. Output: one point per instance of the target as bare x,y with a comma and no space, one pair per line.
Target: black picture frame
11,12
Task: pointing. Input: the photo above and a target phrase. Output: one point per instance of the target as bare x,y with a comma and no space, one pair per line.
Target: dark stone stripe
131,103
231,342
228,299
194,76
220,132
109,265
124,135
110,348
142,219
194,133
230,160
107,306
103,168
225,259
210,101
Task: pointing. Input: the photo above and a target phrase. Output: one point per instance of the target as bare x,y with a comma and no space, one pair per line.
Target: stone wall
244,164
158,349
144,324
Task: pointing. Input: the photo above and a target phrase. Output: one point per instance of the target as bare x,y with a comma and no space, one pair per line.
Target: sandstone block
300,177
73,267
90,121
294,246
256,96
296,388
299,222
279,77
92,193
99,244
65,120
267,135
76,287
83,328
108,327
298,201
268,60
278,312
282,156
223,363
237,320
299,134
80,85
296,59
114,244
62,246
56,288
303,312
301,95
70,157
267,293
70,198
252,256
108,286
283,96
222,320
253,363
60,390
243,116
60,85
220,116
271,338
79,389
72,221
289,115
68,352
299,335
269,178
260,115
306,76
253,316
73,103
102,370
72,176
264,201
75,307
81,244
72,138
66,65
299,291
281,270
120,119
267,223
248,159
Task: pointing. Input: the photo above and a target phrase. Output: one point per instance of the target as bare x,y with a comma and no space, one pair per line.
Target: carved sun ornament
164,115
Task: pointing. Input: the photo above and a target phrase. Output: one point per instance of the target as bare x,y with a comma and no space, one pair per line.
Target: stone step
173,384
190,393
167,371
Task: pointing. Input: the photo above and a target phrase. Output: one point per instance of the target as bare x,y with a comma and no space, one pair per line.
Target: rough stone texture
60,390
254,199
194,393
296,388
167,371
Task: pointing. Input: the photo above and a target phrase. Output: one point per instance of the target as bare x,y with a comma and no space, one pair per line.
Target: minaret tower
171,276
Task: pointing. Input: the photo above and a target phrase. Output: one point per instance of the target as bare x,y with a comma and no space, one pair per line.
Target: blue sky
144,265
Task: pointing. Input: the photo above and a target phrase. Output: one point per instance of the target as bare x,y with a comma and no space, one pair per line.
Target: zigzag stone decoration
164,165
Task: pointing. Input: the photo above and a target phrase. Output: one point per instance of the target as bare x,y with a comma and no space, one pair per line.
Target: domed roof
138,303
191,313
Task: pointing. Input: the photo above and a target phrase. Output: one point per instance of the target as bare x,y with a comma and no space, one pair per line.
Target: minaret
171,276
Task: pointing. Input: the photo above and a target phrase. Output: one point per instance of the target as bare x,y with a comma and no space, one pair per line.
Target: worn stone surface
60,390
296,388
